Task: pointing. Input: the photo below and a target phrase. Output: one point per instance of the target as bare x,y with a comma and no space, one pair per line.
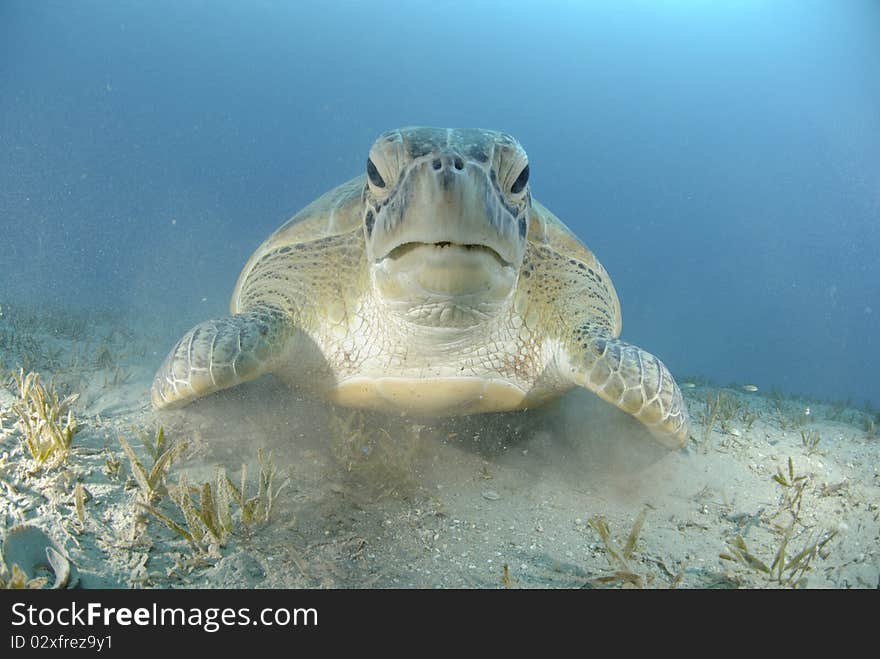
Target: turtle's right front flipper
632,379
219,354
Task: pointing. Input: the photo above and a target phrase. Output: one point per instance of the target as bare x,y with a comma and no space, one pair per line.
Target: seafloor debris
36,556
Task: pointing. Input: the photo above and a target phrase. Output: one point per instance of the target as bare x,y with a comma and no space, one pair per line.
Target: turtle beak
402,250
447,202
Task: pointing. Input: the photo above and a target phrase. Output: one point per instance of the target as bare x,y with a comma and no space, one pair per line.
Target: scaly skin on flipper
219,354
575,296
636,382
300,282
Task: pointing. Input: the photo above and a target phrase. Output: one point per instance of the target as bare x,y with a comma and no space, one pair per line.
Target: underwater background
721,159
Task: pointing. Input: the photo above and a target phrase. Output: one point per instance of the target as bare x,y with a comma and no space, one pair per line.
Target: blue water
722,159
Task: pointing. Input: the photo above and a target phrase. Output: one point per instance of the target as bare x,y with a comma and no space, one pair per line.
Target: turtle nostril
459,163
437,164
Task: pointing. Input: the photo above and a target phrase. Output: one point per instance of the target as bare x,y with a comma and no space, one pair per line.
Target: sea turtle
432,285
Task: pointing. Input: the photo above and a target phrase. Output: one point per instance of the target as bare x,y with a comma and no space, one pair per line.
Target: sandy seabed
574,495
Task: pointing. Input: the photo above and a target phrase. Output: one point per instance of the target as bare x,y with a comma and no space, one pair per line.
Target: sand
492,501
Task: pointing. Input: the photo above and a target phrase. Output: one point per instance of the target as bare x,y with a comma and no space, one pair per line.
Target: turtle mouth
406,248
444,283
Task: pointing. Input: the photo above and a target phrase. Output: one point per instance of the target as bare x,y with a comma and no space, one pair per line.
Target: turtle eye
374,175
520,181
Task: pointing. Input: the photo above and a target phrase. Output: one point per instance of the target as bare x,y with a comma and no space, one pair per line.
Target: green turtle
431,285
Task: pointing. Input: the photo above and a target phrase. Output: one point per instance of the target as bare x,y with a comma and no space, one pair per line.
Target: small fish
749,387
690,385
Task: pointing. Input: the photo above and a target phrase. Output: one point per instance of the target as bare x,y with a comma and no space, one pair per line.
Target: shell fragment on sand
37,555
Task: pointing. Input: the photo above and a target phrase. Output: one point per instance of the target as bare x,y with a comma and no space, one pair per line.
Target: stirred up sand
573,495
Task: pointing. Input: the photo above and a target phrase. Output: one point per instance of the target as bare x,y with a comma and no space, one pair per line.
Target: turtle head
445,221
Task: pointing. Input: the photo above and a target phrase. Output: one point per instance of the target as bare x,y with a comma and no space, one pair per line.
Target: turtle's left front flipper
219,354
635,381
